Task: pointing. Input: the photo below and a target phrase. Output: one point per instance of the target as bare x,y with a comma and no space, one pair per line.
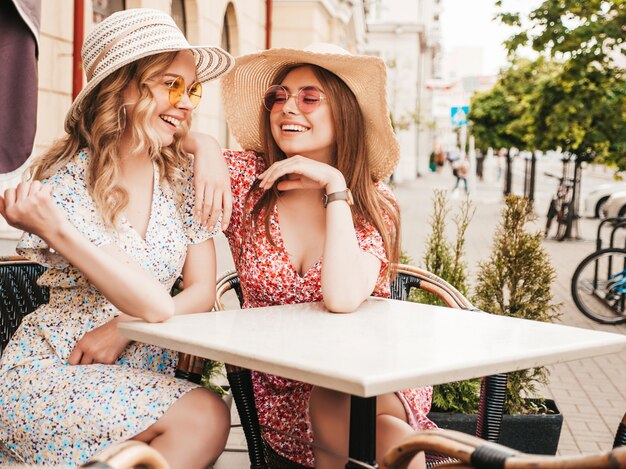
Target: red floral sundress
267,278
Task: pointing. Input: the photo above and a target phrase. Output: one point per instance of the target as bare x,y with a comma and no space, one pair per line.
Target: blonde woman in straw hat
109,210
312,221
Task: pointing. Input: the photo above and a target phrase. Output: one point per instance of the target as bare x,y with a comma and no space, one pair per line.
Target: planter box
534,434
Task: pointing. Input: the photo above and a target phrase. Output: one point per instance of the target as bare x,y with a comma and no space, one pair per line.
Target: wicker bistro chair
470,452
493,388
20,295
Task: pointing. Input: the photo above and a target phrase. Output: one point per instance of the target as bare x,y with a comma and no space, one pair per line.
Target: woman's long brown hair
98,129
349,157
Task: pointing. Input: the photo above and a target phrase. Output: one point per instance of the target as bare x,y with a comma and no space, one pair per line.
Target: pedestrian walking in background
19,49
439,157
501,162
460,170
480,159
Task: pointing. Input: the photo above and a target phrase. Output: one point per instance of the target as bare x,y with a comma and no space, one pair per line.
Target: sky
468,23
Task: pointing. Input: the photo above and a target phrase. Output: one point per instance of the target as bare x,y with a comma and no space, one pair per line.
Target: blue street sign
458,115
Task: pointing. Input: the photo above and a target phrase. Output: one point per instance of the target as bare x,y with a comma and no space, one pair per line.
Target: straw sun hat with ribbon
130,35
244,87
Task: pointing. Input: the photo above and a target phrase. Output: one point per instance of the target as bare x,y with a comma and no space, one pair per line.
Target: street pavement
590,393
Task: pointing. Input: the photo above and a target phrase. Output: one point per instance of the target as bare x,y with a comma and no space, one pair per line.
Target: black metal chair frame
493,388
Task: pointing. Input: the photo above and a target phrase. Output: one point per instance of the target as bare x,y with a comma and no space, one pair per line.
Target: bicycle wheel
599,286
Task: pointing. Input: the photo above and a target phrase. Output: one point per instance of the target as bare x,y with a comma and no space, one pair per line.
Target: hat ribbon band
119,38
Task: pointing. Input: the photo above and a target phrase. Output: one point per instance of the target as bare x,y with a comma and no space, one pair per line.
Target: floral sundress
267,278
56,414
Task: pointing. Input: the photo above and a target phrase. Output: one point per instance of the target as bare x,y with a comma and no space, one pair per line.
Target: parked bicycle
560,208
599,286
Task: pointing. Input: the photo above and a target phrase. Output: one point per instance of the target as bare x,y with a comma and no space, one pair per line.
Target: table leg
362,432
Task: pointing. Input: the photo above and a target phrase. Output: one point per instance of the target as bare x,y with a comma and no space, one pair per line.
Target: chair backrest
408,277
19,294
413,277
473,452
225,282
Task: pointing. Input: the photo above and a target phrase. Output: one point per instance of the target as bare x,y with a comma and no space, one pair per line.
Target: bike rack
619,222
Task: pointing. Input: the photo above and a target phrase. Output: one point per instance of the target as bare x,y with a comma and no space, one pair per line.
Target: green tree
582,108
504,116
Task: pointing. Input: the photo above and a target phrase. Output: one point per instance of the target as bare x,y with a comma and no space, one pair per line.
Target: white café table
384,346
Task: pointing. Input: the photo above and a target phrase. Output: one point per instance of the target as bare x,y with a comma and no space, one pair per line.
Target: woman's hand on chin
304,173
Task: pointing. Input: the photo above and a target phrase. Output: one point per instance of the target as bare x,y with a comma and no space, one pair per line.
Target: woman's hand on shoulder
211,180
30,207
304,173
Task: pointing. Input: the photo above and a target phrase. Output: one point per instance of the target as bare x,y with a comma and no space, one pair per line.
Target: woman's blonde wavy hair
99,128
349,157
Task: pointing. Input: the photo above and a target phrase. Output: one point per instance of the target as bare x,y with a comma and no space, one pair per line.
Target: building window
104,8
178,14
225,35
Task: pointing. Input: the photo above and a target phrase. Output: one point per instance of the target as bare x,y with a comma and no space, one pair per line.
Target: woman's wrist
59,234
336,183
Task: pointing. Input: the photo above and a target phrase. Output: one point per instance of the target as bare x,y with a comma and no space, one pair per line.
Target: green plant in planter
445,259
212,370
516,281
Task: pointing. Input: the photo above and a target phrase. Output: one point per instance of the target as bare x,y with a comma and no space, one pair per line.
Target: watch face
350,200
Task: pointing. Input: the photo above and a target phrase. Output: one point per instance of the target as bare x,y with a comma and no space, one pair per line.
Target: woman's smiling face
311,135
167,118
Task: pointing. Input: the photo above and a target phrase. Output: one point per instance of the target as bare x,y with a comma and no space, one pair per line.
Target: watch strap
340,195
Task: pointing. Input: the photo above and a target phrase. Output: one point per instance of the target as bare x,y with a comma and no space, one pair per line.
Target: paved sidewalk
590,393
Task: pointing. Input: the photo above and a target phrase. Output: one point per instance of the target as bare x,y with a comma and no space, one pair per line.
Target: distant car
595,199
615,206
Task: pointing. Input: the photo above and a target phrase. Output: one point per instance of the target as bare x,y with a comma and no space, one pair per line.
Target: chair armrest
128,455
473,452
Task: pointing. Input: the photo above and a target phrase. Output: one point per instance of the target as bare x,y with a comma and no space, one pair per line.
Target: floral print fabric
268,278
56,414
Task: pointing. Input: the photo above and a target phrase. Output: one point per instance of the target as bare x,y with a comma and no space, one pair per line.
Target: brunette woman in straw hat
312,221
109,211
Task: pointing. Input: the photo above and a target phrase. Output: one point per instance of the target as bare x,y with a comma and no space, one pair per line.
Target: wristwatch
341,195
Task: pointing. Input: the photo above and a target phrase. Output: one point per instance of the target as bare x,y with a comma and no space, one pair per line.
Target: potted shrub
515,281
446,260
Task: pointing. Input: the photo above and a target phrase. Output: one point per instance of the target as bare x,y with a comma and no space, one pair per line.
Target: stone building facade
239,26
409,42
410,50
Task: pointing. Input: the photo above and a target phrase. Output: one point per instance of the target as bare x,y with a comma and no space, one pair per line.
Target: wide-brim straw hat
132,34
244,87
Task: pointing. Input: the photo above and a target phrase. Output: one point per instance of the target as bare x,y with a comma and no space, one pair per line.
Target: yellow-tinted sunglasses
177,90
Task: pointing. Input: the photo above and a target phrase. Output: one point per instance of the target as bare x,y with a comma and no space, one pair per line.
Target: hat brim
211,63
243,89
